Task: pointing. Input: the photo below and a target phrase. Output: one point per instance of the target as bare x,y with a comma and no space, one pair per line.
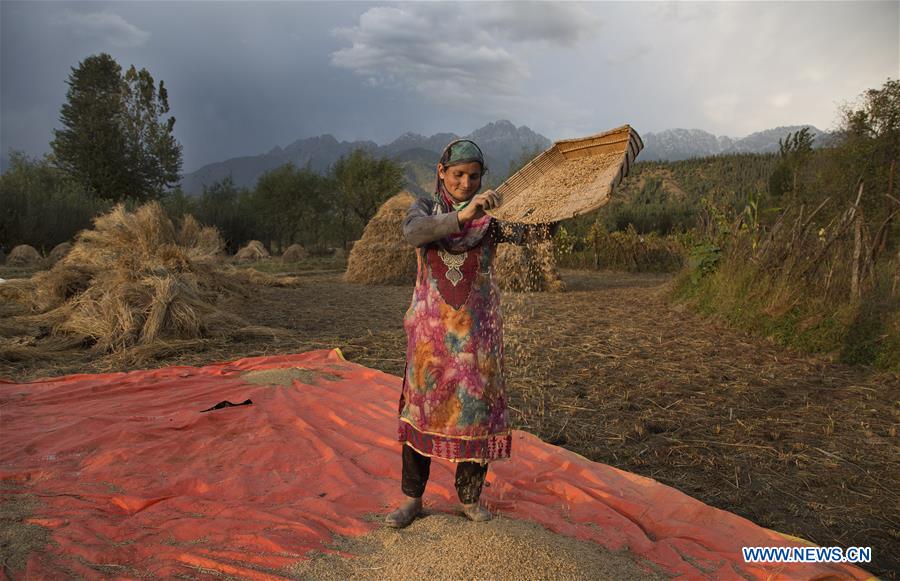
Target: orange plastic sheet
134,481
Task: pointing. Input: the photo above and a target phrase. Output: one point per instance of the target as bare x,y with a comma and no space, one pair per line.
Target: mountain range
502,142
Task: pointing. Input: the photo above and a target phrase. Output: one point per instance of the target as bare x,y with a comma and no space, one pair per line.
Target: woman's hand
486,200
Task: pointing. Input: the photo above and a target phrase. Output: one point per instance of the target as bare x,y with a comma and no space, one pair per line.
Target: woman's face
462,181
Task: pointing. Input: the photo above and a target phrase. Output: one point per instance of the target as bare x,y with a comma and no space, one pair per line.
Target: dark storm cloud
456,52
246,76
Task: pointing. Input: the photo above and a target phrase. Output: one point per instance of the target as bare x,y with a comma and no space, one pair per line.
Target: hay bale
294,253
201,242
382,255
252,251
59,252
527,268
129,282
23,255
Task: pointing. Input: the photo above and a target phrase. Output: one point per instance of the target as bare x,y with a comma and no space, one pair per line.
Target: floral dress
453,404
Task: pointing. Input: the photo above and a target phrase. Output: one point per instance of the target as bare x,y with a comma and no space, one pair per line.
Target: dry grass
134,280
59,252
23,255
253,250
294,253
383,256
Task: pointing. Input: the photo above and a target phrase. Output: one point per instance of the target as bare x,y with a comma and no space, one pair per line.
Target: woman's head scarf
456,153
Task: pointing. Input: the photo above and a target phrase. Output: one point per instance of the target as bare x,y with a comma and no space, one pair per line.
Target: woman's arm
421,227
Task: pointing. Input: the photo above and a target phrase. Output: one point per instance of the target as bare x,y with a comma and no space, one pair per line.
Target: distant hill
502,142
678,144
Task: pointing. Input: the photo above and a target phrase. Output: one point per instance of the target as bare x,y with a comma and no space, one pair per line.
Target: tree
114,141
154,152
364,183
292,205
40,205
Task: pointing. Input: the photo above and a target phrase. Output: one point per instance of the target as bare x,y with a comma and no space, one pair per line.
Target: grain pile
501,549
382,255
59,252
294,253
251,252
134,280
23,255
564,184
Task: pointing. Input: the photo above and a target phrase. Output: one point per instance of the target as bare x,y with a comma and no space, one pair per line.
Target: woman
453,404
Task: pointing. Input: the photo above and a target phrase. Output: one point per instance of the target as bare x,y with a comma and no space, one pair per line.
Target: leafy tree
793,152
364,183
114,141
41,206
291,204
155,155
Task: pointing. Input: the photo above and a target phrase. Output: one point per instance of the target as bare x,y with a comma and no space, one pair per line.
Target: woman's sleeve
421,227
516,233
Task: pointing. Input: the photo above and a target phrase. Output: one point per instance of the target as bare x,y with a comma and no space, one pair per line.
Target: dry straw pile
294,253
134,281
253,251
23,255
59,252
382,255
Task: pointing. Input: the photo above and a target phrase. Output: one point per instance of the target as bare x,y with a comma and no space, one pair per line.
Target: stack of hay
59,252
294,253
133,280
24,255
382,255
253,251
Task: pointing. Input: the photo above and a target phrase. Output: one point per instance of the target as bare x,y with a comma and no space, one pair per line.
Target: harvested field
610,370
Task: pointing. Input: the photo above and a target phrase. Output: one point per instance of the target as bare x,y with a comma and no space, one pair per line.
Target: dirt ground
613,371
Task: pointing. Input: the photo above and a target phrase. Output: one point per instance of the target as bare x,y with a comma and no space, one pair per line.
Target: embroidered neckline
453,262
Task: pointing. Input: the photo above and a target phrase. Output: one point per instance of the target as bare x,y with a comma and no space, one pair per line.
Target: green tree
794,152
292,205
41,206
364,182
155,155
114,141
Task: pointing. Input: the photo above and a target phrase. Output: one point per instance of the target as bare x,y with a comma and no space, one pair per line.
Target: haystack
131,282
382,255
527,268
294,253
254,250
23,255
59,252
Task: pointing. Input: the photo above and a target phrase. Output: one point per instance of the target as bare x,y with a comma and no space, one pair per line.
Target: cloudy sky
246,76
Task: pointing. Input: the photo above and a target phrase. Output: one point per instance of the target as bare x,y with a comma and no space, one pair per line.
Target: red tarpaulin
128,471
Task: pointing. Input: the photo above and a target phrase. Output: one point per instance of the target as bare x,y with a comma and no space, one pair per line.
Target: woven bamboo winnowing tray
573,177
